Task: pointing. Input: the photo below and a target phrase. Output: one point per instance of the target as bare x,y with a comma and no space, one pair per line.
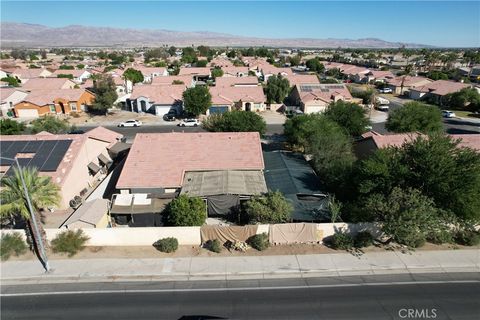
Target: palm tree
42,192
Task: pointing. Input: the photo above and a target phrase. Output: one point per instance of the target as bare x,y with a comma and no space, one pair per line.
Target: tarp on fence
230,233
222,205
289,233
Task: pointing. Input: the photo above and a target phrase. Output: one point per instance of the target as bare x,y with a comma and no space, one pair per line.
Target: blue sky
441,23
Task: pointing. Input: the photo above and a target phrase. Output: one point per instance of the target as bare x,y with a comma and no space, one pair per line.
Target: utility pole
38,236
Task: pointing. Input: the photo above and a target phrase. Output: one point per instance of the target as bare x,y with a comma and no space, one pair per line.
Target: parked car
130,123
382,107
189,123
385,90
448,114
169,116
381,100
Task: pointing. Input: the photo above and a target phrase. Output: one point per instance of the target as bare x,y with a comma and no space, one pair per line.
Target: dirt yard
193,251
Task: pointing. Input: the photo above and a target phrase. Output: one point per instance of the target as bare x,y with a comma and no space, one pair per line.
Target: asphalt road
316,298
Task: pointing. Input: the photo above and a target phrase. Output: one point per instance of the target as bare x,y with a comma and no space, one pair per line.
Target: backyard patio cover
236,182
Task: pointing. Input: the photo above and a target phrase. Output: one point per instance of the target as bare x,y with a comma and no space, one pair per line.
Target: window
73,106
52,108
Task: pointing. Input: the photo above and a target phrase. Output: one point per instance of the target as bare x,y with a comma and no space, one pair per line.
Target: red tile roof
159,94
194,71
232,81
160,160
302,79
442,87
187,80
222,95
47,83
409,81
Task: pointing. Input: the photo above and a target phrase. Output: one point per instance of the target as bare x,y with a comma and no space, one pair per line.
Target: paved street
453,296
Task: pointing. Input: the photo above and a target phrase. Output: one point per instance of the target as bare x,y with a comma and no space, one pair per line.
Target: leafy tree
66,67
367,96
217,72
197,100
19,54
9,127
66,76
315,65
189,55
186,211
13,82
465,99
80,66
350,116
133,75
156,53
172,51
334,72
269,208
295,60
105,93
434,165
33,57
203,50
232,54
201,63
69,242
42,191
406,215
415,116
50,124
437,75
277,89
160,64
235,121
43,54
116,58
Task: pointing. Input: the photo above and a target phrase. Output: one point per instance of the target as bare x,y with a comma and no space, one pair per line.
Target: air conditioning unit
76,202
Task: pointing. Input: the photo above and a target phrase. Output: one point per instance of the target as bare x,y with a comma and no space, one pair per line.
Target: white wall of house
11,100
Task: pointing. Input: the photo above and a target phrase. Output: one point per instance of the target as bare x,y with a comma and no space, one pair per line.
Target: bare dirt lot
144,252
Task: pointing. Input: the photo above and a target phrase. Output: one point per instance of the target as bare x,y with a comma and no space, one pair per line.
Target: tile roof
44,97
7,92
442,87
302,79
47,83
29,73
234,71
187,80
232,81
221,62
269,69
159,94
323,92
159,160
229,95
409,81
76,73
78,140
194,71
147,71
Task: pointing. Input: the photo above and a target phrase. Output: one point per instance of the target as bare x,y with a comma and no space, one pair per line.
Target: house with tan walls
63,101
245,98
311,98
75,162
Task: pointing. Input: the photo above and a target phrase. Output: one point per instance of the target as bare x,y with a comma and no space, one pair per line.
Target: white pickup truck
382,103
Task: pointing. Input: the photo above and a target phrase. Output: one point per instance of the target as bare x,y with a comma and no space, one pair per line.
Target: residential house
221,62
75,162
5,73
402,84
156,99
235,71
25,74
78,76
60,101
187,80
48,84
354,73
249,81
246,98
435,91
222,168
198,74
267,71
8,98
150,73
372,141
313,98
297,79
377,76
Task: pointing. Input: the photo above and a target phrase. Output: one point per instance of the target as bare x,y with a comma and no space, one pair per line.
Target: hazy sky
441,23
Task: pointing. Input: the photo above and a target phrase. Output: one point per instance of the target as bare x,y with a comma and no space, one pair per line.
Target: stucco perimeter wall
184,235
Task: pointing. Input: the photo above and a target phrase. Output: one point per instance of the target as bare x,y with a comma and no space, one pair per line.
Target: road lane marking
319,286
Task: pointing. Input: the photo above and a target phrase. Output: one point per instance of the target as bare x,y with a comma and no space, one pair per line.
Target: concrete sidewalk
248,267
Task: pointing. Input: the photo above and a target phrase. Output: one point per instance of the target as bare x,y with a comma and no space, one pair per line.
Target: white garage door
162,110
314,109
27,113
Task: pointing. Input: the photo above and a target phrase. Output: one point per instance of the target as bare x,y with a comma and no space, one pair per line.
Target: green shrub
259,241
363,239
342,241
440,236
166,245
12,244
468,237
214,245
70,242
